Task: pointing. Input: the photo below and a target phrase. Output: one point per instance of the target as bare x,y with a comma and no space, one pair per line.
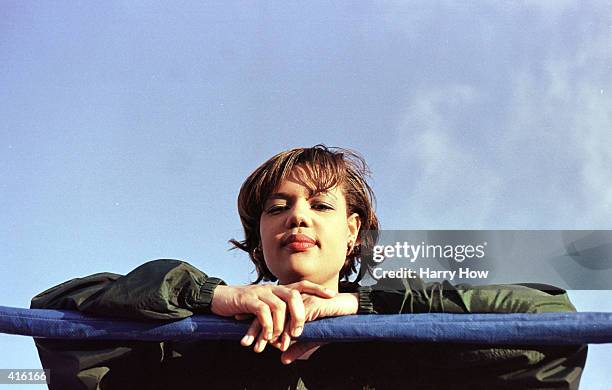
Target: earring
258,249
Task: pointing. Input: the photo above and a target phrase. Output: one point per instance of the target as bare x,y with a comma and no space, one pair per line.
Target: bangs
317,170
318,175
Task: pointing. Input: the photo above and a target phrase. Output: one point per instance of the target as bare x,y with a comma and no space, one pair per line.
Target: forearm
160,289
418,297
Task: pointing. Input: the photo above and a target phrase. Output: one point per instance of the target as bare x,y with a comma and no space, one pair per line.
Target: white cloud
449,181
562,104
543,158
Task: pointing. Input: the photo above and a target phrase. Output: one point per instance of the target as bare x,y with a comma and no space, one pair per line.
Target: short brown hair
327,167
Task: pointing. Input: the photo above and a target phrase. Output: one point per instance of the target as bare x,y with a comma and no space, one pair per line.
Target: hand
315,307
341,305
269,304
300,350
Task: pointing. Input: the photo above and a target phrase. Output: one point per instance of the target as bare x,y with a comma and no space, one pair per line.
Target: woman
303,212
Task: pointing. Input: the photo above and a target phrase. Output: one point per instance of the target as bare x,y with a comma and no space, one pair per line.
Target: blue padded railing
545,328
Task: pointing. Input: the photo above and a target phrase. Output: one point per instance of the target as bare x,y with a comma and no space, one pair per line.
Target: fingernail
330,292
297,331
286,344
247,340
268,336
260,346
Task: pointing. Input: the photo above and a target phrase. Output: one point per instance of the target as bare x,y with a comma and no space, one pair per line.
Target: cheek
265,231
336,238
269,253
268,242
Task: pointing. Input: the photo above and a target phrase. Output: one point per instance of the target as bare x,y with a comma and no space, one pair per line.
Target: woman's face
305,235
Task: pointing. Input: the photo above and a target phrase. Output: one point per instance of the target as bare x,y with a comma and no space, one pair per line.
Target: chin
296,274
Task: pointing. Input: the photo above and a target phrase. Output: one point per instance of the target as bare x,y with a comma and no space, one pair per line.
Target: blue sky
128,127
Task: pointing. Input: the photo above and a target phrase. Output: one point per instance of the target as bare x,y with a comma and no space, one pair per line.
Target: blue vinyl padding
545,328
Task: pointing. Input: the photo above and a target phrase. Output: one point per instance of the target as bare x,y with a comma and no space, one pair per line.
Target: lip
298,241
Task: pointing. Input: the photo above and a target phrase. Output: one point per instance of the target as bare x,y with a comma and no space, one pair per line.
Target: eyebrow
311,194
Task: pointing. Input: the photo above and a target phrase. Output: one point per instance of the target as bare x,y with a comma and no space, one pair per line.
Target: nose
298,215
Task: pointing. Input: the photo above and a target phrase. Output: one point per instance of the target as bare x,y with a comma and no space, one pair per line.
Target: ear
354,223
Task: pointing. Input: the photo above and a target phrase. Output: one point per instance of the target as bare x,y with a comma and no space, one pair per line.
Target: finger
285,342
296,350
243,316
313,288
280,342
296,310
262,311
261,343
251,333
276,343
278,308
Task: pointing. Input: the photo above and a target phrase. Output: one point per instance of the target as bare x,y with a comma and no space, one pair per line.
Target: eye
322,206
276,209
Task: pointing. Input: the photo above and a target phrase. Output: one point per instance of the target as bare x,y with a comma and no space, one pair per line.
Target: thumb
299,349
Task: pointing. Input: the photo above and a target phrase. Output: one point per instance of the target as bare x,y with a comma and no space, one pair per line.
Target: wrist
221,296
350,303
355,303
